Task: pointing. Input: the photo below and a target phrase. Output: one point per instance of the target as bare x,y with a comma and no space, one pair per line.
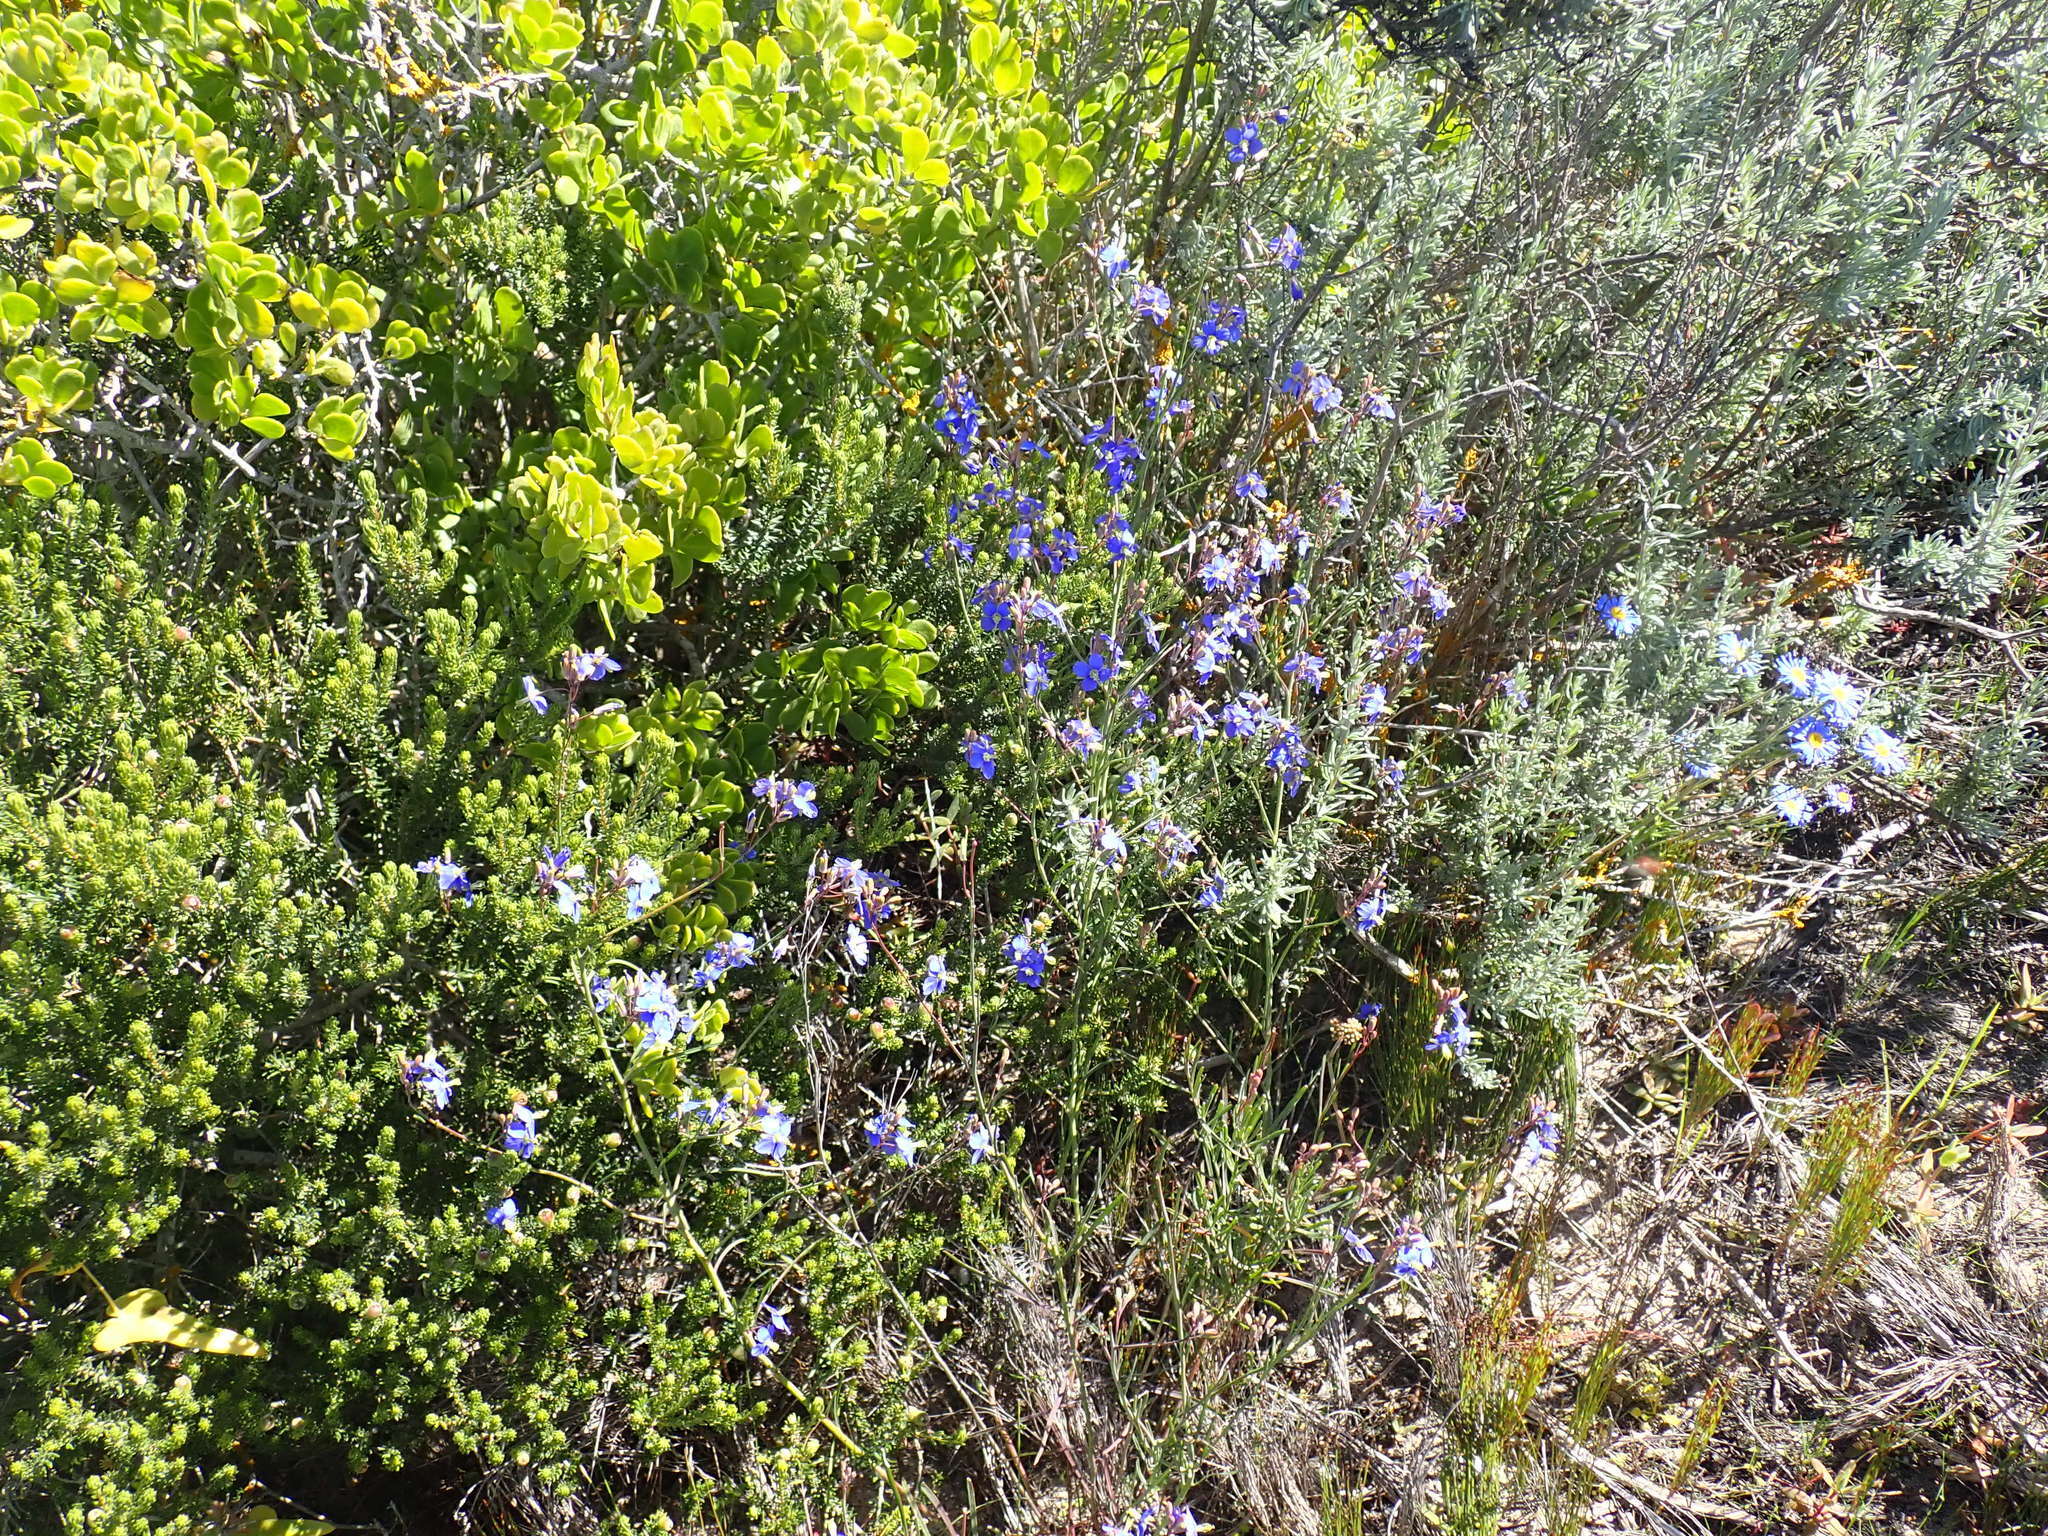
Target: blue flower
1368,912
774,1125
1738,654
1221,573
552,873
1795,675
1839,798
520,1134
587,666
1244,142
1102,663
1372,701
998,612
535,695
1697,769
429,1078
1116,458
936,977
735,952
1150,302
1223,327
1791,804
1032,663
1117,537
774,1324
448,876
1213,891
1059,549
1453,1035
1251,484
641,882
1882,750
1108,844
1813,741
980,753
889,1132
1377,403
1840,698
1430,513
1322,394
1027,957
601,995
1286,248
504,1215
1115,260
960,418
981,1139
1240,718
786,799
1079,735
1618,615
1286,755
1413,1252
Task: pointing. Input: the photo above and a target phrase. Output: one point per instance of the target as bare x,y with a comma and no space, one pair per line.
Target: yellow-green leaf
147,1317
265,1521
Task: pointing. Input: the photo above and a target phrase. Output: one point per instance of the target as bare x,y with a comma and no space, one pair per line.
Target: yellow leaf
146,1317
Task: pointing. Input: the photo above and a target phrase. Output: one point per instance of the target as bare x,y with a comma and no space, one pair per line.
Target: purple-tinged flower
448,876
1321,394
890,1133
427,1077
1378,404
1213,891
1738,653
1027,956
1139,703
1696,768
1882,750
1795,675
1618,614
1221,572
863,894
1243,142
774,1125
1356,1242
521,1135
981,1139
1058,548
1078,735
1250,484
1297,596
1117,538
1107,844
1839,798
959,418
1413,1252
1113,258
1839,698
1038,606
1286,248
1813,741
1429,513
1540,1137
1151,302
587,666
602,995
1453,1035
788,799
1188,716
1372,701
980,753
1170,843
1792,804
535,694
1241,718
657,1009
1337,498
1309,669
735,952
504,1215
936,977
